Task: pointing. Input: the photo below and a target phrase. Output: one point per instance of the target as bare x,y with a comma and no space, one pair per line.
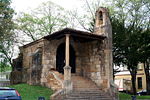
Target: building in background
4,78
123,79
4,75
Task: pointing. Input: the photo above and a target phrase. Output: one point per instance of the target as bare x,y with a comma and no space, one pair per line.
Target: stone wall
90,61
105,29
93,58
28,51
16,74
49,59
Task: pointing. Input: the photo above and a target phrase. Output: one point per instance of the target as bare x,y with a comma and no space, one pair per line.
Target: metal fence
4,79
4,83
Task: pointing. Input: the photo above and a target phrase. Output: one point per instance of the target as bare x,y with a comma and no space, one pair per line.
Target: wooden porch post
67,68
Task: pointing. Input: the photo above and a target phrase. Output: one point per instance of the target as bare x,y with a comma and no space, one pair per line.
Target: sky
27,5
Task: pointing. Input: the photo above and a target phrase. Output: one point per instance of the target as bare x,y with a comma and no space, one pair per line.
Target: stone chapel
76,64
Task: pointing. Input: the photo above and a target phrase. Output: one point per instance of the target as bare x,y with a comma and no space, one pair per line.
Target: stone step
85,89
87,94
88,98
90,91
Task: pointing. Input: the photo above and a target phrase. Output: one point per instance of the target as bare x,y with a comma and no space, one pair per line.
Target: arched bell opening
100,17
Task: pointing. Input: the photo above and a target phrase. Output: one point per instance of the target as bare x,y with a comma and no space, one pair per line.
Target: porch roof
81,36
77,35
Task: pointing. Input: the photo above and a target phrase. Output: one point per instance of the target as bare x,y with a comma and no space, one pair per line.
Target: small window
37,58
139,82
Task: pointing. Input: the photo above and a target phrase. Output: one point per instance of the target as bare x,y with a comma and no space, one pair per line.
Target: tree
129,19
4,66
145,45
86,20
6,23
126,44
7,51
6,32
145,58
44,20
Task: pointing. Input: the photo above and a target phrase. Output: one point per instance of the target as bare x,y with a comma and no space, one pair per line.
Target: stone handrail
114,90
57,93
57,78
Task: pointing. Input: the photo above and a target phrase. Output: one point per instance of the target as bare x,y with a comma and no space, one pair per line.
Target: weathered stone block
105,83
43,80
46,62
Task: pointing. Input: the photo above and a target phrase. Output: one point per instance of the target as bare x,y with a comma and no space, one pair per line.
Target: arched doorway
60,58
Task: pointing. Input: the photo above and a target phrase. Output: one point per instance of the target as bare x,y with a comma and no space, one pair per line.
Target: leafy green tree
4,66
44,20
145,58
126,44
129,20
7,51
6,23
6,32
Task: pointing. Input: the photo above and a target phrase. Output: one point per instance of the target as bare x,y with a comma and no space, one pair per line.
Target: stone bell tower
103,27
102,22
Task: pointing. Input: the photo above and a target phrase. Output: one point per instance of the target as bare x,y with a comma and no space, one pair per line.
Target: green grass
29,92
124,96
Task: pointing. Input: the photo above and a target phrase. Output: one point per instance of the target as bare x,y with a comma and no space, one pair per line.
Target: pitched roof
74,33
82,36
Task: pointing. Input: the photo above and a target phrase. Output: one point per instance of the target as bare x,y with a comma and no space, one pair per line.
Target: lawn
124,96
28,92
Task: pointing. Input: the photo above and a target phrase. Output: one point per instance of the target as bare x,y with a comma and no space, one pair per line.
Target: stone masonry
91,53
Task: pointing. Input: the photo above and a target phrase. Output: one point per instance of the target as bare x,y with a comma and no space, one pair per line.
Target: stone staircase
80,83
84,89
87,95
54,80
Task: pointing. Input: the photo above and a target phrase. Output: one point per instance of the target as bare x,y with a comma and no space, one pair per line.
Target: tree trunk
133,79
146,68
134,84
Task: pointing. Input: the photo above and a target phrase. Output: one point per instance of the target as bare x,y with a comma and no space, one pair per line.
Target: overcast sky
27,5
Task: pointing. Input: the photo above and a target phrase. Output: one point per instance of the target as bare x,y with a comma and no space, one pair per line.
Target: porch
78,53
